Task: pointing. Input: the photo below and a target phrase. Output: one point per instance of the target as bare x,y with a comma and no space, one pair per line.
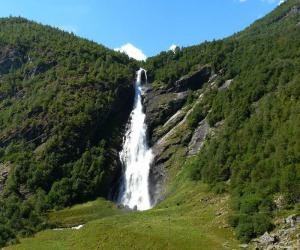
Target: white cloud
281,2
132,52
173,47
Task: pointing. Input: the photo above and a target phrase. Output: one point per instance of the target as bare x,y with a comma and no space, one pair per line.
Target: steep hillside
223,120
64,102
234,114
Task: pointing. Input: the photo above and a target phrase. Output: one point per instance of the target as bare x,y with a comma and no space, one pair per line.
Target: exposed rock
10,58
157,179
165,116
283,237
160,107
294,10
279,201
243,245
40,68
193,81
292,219
4,172
24,192
266,238
198,138
226,84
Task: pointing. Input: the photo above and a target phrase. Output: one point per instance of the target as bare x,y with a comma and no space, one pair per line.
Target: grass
83,213
191,218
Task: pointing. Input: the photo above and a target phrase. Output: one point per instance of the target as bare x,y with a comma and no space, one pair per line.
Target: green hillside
64,103
59,132
256,154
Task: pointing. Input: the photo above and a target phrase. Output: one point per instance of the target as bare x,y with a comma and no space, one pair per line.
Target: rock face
11,58
166,114
4,171
159,107
285,236
198,138
193,81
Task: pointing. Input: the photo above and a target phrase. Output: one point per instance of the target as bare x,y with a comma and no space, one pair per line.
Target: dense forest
256,155
63,101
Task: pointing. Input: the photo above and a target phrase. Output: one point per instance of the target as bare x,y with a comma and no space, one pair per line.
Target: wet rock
157,180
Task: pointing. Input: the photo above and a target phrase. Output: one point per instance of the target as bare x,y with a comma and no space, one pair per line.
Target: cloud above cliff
132,51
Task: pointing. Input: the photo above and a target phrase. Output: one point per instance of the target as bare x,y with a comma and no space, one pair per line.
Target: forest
59,96
65,101
256,155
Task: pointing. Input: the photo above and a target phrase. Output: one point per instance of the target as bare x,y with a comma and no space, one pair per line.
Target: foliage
257,151
59,128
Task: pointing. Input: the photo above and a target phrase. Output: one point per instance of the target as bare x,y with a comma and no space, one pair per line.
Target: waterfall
136,156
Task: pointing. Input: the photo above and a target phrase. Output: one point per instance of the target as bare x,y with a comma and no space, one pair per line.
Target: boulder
266,238
292,219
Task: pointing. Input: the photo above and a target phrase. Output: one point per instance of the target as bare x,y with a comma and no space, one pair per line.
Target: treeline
63,102
256,154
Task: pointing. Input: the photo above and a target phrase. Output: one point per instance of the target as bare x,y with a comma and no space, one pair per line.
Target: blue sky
151,25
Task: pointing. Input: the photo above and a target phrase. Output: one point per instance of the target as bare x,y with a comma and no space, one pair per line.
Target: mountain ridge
238,118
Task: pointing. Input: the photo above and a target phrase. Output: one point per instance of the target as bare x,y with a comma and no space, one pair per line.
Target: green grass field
191,218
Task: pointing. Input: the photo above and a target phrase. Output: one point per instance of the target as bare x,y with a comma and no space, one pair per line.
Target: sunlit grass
192,218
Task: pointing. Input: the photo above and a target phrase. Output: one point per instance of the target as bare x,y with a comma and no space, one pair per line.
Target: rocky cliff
172,139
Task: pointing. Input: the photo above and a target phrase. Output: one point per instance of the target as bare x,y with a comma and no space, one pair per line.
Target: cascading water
136,156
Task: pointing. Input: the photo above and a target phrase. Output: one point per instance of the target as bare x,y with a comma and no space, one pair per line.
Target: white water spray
136,156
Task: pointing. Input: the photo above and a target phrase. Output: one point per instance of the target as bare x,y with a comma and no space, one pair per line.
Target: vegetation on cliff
256,154
59,139
63,103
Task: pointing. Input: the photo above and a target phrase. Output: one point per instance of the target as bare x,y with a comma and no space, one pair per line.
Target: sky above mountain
143,27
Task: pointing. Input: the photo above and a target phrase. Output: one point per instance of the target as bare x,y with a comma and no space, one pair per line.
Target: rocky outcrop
194,80
4,172
198,138
159,107
162,103
10,58
226,84
285,236
169,136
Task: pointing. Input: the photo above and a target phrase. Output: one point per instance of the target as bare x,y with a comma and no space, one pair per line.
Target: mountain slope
248,111
223,122
64,103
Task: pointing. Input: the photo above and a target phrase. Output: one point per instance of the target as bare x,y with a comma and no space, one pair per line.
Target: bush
261,224
220,188
250,204
245,232
6,235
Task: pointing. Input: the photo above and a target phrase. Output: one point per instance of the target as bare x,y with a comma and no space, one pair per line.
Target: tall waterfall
136,156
